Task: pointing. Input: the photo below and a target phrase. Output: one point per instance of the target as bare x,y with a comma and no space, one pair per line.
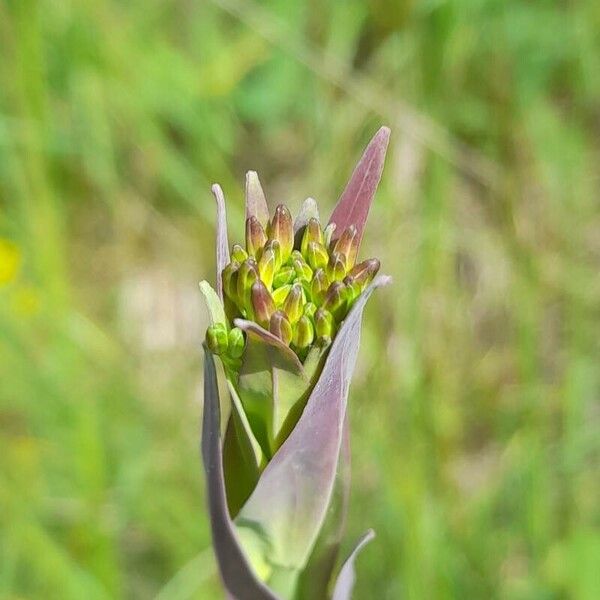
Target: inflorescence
299,287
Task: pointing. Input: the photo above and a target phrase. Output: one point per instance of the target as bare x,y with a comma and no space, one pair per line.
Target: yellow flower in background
10,259
25,301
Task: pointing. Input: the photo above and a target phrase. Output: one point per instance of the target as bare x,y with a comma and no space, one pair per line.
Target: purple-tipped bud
312,233
324,324
335,300
266,266
229,278
246,276
347,244
281,327
256,237
216,338
328,234
236,343
364,272
284,276
304,333
316,255
280,294
281,228
263,305
238,253
292,305
319,285
303,270
336,268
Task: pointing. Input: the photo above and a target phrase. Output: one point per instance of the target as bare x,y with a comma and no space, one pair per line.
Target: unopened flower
286,321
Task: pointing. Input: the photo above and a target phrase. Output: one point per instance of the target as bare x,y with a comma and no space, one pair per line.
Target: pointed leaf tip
256,202
222,243
345,581
354,203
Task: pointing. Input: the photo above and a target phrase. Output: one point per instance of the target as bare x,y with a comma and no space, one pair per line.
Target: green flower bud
293,304
255,236
216,338
336,268
280,327
312,233
319,285
364,272
303,271
328,234
304,333
284,276
266,266
246,276
310,308
236,342
229,278
335,300
275,247
280,294
347,244
324,323
316,255
353,289
281,229
263,305
238,254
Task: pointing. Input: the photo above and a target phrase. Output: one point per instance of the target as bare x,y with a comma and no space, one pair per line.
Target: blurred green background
475,414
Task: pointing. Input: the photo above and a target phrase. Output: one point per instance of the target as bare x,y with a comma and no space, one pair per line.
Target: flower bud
304,333
292,305
353,289
263,305
229,278
236,342
216,338
303,271
316,255
275,247
363,273
319,286
238,253
246,276
255,236
335,300
284,276
347,244
312,233
280,294
336,268
280,327
310,308
281,229
266,266
324,323
328,234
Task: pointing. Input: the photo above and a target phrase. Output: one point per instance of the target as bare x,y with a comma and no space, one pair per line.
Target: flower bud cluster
299,287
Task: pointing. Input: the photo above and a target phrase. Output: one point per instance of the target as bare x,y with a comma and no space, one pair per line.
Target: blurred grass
474,411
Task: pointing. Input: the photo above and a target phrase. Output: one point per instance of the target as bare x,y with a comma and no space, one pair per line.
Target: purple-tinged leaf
236,573
353,206
222,244
256,203
286,510
252,328
345,581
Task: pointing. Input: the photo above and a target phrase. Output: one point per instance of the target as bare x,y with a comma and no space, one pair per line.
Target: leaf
237,575
256,203
286,510
345,581
353,206
308,210
216,311
271,381
316,576
222,243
